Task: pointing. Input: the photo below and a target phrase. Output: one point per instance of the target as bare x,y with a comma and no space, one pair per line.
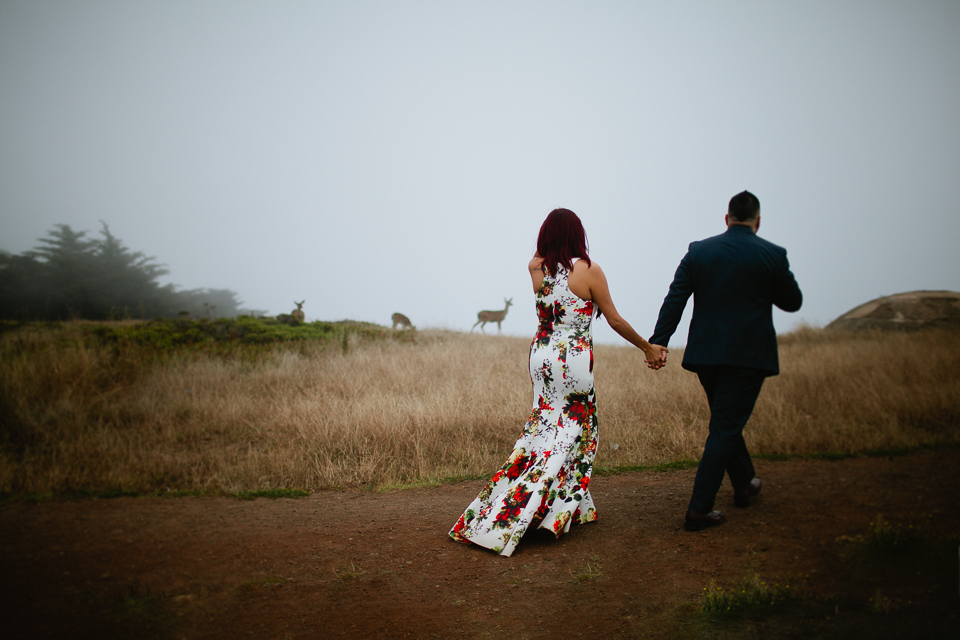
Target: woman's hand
656,356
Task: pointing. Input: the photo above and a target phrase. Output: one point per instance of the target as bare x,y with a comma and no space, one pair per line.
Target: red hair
561,239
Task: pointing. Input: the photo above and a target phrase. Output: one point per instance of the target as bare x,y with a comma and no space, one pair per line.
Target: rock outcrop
903,311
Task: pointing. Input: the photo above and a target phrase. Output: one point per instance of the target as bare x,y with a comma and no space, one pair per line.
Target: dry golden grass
75,416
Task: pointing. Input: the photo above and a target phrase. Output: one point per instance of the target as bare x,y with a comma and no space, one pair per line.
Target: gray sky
373,157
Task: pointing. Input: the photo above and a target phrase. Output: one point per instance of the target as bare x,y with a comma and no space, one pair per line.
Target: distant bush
169,334
71,277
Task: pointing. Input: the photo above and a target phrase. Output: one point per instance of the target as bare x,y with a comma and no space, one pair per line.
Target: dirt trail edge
356,564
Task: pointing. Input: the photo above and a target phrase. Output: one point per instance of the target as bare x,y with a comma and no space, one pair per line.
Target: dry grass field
77,415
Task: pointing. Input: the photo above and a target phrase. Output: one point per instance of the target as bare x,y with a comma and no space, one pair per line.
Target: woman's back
561,356
563,316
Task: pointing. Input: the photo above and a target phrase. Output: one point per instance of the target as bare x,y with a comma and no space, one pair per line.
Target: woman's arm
536,272
591,280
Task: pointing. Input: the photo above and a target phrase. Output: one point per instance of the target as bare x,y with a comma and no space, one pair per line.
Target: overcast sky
372,157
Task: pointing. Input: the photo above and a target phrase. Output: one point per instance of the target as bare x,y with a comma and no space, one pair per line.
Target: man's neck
752,224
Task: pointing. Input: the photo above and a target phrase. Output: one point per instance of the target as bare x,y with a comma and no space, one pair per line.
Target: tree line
69,276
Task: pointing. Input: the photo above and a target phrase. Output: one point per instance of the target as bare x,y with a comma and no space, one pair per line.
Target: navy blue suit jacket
735,278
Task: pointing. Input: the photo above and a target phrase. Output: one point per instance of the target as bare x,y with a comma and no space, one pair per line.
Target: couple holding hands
735,279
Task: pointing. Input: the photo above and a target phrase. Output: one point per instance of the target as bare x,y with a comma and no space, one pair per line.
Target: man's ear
757,227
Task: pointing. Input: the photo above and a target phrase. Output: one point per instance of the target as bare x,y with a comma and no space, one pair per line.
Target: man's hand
656,357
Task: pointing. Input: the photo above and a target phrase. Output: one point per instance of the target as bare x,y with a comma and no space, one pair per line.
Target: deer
492,316
293,318
402,320
297,313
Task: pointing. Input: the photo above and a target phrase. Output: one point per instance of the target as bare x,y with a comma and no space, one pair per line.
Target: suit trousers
731,393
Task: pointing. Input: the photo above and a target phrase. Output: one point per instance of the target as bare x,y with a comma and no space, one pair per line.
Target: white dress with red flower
544,481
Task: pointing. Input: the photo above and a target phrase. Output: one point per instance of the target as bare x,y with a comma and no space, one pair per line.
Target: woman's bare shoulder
581,266
535,262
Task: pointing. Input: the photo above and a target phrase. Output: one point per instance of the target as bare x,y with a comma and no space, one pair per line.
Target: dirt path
357,564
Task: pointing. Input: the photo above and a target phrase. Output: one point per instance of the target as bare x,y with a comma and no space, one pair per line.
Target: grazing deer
297,313
293,318
402,320
492,316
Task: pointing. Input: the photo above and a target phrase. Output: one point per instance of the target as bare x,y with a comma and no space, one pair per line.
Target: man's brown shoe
698,521
741,499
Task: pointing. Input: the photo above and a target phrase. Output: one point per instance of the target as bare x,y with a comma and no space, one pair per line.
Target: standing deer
402,320
297,313
492,316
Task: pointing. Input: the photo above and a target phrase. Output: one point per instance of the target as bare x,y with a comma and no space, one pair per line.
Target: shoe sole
689,526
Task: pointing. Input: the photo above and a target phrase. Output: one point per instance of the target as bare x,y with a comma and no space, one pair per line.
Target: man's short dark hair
743,207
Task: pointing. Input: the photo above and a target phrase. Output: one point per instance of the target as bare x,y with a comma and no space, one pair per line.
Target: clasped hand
656,357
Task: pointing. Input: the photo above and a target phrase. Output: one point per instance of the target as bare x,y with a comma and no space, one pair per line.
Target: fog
373,157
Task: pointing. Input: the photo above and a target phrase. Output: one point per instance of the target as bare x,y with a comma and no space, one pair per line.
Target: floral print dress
544,483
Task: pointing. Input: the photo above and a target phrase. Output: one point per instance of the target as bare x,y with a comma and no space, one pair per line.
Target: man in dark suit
735,278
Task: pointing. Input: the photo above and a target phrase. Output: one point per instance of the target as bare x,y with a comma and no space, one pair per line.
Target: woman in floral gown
545,481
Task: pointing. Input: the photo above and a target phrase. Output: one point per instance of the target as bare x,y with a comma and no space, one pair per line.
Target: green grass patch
882,534
428,482
844,455
885,536
589,572
68,495
193,493
826,455
676,465
751,596
347,574
85,494
679,465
